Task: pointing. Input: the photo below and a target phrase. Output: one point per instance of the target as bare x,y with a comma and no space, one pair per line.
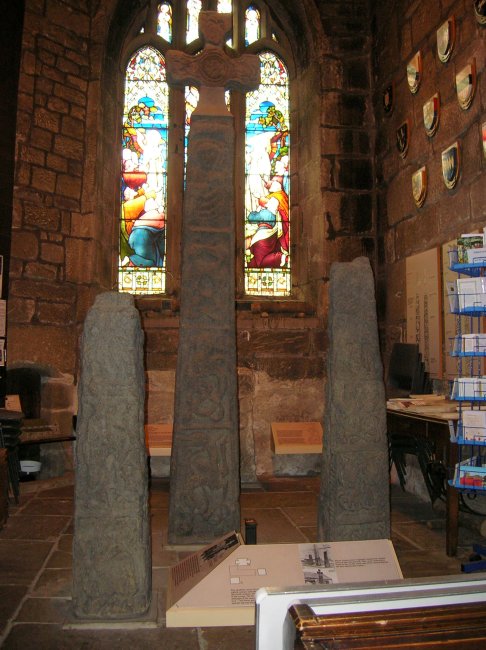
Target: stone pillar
205,479
354,499
111,552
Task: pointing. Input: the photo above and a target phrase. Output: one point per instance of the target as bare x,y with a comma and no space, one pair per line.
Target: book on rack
474,425
467,242
471,293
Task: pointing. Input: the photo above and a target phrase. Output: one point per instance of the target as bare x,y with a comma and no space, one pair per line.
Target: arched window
267,209
144,175
156,122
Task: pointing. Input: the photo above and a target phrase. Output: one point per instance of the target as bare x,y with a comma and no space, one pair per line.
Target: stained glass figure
164,21
192,26
225,6
267,222
252,25
144,175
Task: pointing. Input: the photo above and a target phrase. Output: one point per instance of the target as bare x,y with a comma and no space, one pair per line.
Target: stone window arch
156,120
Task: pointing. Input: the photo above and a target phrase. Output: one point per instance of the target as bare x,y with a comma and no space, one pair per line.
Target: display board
424,308
216,586
296,437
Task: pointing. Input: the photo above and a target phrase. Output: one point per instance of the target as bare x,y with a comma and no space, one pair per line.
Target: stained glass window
192,98
252,25
144,175
164,21
264,248
267,224
192,27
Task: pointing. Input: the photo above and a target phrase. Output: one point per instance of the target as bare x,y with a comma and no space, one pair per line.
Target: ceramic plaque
388,98
466,85
403,137
414,72
431,112
451,165
446,37
419,186
480,11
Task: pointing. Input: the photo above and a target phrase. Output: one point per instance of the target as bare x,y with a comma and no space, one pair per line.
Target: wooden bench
434,627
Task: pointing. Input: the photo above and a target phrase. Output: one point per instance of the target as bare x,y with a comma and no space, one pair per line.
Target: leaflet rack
468,302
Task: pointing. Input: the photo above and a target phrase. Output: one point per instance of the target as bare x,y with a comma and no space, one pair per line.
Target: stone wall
347,166
280,378
55,253
400,29
66,202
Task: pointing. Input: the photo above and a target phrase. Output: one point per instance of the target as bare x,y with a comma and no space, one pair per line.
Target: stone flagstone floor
36,561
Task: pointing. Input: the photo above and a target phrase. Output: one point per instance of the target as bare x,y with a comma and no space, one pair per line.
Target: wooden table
435,427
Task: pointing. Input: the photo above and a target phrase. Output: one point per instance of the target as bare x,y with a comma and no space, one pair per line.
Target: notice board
424,308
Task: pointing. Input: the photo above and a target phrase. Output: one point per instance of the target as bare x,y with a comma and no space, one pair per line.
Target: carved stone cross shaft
205,482
213,71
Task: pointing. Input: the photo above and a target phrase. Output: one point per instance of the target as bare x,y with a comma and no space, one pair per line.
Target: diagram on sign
242,568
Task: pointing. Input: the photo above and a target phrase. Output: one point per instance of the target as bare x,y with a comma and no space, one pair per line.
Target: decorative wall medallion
483,130
419,186
403,137
466,85
388,98
432,114
480,11
414,72
446,37
451,165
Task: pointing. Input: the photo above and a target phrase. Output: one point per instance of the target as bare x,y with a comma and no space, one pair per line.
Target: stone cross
354,499
111,550
205,483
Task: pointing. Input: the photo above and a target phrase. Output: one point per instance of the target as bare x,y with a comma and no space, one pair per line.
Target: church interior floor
36,561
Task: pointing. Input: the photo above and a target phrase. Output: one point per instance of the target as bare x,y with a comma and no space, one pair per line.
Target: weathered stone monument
111,550
354,499
204,490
